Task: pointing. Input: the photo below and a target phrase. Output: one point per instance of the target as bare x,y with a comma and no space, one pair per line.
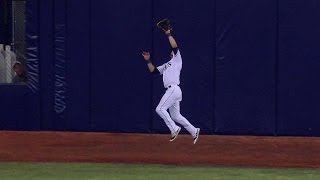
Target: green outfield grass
80,171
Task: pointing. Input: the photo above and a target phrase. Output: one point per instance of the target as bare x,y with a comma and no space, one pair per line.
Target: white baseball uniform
171,99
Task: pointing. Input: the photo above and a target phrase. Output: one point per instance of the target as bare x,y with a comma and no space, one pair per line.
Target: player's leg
166,101
177,117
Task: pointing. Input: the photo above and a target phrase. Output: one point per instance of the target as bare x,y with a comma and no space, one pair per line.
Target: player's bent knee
158,110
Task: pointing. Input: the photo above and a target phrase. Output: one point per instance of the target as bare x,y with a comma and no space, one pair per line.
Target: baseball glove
164,25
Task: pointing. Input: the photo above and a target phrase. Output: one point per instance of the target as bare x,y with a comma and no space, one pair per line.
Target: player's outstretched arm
172,41
146,57
165,25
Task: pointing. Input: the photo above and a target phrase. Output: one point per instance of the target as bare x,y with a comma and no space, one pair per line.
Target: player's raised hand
146,56
167,31
165,25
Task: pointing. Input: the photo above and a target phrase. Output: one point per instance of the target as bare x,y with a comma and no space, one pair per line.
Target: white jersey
171,70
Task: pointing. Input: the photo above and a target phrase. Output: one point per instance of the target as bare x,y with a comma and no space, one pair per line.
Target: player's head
17,67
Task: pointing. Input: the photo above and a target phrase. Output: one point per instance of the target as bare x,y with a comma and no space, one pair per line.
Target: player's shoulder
178,55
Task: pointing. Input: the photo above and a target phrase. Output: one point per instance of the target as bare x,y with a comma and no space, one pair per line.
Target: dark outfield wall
250,67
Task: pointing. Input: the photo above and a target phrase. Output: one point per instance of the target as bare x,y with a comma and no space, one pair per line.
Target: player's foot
195,138
175,135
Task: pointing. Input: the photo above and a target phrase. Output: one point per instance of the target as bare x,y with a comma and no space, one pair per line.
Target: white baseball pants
171,100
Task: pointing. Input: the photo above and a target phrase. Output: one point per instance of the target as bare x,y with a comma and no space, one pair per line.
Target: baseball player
173,95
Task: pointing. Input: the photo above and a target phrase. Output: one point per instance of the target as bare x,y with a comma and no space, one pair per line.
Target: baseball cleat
195,139
175,135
